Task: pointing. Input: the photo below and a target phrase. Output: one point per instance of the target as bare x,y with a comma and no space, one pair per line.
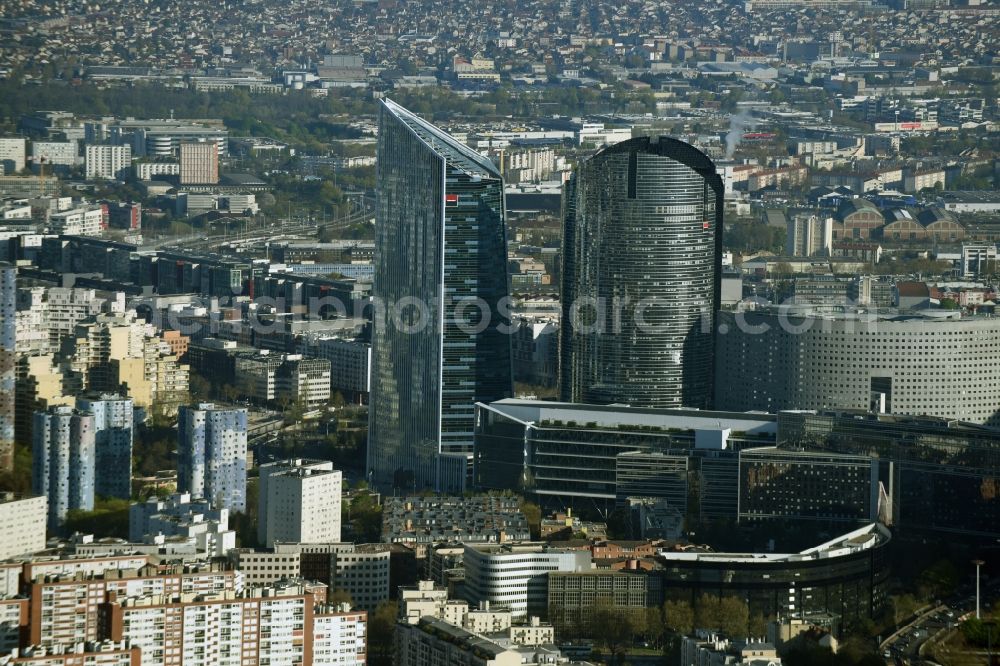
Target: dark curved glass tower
642,253
439,343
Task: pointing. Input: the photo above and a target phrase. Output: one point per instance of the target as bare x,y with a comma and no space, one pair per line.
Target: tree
339,596
18,480
757,627
783,268
706,612
364,515
295,411
382,634
533,514
949,304
678,616
654,626
245,523
728,615
108,519
941,577
734,617
199,387
611,627
903,607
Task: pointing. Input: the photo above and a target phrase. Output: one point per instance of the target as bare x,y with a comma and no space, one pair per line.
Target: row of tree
616,627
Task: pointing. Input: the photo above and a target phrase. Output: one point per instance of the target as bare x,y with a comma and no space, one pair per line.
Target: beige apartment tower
199,163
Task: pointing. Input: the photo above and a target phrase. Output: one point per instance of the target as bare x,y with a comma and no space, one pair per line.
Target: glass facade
804,485
441,338
642,241
851,586
613,452
941,475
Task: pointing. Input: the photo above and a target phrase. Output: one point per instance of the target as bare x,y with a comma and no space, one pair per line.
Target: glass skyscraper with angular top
642,251
440,340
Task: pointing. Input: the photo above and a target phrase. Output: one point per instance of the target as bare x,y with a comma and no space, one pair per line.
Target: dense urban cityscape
527,333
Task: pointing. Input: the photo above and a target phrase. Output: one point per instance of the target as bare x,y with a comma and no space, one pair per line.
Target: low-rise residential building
435,642
361,570
181,516
711,650
283,379
426,600
100,653
424,520
917,180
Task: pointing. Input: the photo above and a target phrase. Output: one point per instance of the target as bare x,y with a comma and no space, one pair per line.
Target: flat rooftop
858,540
535,412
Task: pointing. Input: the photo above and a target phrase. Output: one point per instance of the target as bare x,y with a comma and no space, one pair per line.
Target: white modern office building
81,221
55,153
515,576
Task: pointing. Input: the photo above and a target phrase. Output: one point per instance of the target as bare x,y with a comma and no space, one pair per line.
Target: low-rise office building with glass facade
939,475
789,484
846,576
565,454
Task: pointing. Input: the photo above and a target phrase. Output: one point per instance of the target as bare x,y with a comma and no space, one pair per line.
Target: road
907,647
282,228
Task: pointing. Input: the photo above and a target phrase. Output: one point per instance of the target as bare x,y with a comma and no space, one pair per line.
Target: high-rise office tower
8,358
113,443
439,343
212,454
199,162
642,252
62,467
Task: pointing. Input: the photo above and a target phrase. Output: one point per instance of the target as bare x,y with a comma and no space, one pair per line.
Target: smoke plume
737,125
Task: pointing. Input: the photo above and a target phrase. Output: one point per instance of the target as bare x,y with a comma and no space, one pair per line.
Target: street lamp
978,563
